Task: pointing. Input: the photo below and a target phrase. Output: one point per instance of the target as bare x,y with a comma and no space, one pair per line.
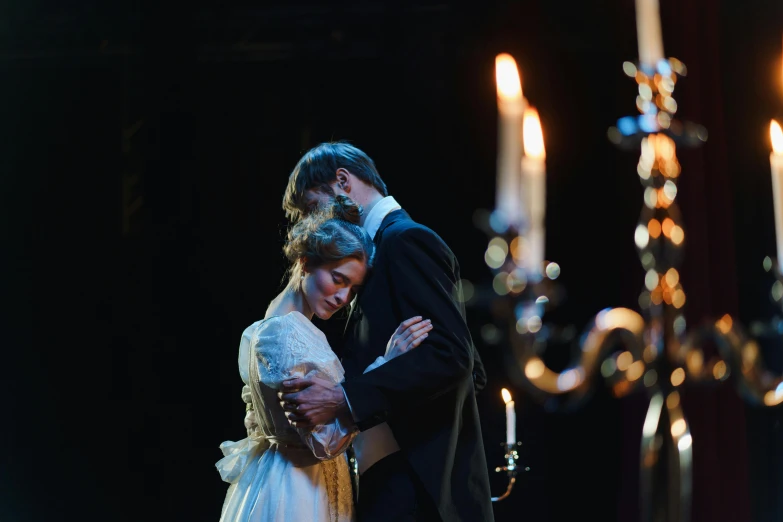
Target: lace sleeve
291,346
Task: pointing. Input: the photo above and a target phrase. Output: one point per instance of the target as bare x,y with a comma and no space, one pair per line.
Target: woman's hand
408,336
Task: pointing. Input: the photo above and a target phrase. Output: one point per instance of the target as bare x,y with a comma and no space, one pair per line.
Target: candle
534,189
511,106
511,418
648,32
776,164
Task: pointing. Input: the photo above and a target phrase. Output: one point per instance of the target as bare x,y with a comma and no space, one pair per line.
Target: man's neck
373,200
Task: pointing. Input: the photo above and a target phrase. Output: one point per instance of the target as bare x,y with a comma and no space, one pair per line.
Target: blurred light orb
608,367
679,322
521,326
490,334
720,371
678,428
651,280
534,368
500,243
624,360
645,92
498,222
670,189
654,228
650,197
678,377
685,442
678,299
500,283
634,371
641,236
569,379
777,291
464,291
494,257
677,235
516,281
534,324
644,300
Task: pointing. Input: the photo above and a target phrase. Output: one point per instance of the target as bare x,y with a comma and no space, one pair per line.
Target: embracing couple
402,397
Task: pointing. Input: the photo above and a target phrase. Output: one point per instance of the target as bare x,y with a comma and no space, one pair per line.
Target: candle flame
506,395
532,135
509,86
776,135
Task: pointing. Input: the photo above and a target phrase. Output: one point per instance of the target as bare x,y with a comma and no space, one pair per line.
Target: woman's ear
303,265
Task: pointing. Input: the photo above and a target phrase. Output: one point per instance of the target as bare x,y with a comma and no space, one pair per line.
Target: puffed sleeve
287,348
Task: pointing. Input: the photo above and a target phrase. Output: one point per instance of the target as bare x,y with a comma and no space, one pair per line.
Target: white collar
378,212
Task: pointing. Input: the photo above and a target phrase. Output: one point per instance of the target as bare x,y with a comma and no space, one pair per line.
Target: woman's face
332,286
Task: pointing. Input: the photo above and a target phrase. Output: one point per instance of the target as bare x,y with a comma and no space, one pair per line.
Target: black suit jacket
428,394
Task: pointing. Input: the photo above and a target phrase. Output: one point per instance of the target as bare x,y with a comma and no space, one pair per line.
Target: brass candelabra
651,349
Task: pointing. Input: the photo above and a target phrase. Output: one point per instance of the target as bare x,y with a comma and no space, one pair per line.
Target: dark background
145,149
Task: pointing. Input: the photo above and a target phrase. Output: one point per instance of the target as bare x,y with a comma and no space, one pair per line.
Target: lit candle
776,164
511,106
534,189
648,32
511,418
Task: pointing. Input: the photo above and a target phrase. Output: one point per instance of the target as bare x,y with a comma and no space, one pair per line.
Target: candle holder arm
510,468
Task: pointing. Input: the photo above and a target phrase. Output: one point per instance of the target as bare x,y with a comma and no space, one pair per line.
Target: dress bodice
276,349
304,470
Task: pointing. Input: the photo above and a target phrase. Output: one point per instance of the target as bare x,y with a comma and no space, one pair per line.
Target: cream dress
278,473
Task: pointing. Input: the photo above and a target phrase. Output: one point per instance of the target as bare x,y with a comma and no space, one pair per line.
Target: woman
279,472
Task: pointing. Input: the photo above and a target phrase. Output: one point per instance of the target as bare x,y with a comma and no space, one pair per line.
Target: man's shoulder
407,232
406,228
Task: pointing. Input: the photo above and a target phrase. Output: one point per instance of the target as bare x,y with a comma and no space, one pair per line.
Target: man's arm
312,401
479,373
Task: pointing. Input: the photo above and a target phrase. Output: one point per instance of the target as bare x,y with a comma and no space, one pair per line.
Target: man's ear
344,180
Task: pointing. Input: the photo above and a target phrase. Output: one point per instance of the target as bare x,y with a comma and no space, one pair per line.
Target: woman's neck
289,300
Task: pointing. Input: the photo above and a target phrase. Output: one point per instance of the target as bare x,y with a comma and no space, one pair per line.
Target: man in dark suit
420,451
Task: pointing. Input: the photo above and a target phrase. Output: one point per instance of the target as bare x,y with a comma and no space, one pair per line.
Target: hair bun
346,209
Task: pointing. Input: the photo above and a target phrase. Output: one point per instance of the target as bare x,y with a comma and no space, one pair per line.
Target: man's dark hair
318,168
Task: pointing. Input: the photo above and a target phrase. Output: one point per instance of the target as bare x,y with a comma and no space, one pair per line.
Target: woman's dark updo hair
330,233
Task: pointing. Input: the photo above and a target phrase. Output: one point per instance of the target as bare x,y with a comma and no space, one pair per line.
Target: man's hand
311,401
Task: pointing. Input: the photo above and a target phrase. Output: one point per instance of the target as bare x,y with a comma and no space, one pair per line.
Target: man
419,451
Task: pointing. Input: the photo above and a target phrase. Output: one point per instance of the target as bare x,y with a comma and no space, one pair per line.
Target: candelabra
510,468
651,350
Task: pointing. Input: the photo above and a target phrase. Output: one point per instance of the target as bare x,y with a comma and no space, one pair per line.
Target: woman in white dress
280,473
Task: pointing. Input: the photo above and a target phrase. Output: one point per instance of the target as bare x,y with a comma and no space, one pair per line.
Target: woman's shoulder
289,343
274,321
281,329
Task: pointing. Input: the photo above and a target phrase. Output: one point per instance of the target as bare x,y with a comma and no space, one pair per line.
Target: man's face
315,197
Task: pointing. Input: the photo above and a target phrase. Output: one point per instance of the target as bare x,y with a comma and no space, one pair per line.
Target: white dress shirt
381,209
375,443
